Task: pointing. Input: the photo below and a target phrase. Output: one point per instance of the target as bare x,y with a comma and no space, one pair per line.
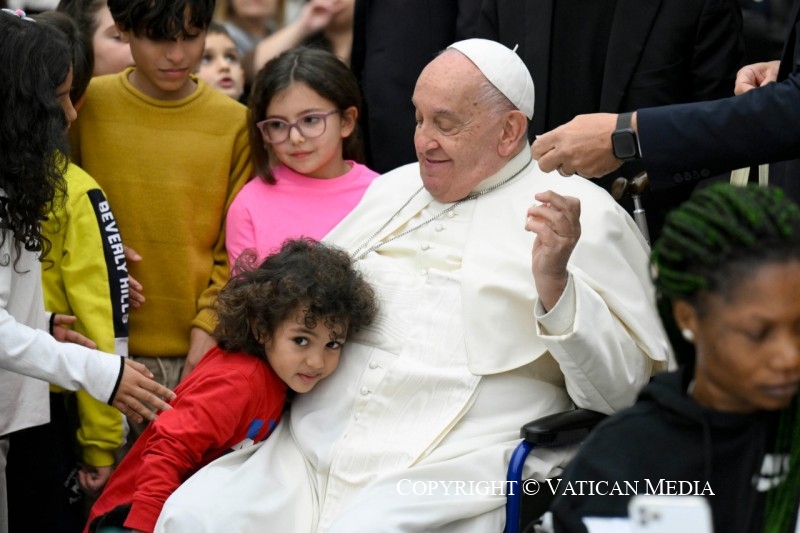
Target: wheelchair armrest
567,427
561,428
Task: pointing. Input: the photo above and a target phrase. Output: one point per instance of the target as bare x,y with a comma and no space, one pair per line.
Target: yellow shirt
85,275
170,170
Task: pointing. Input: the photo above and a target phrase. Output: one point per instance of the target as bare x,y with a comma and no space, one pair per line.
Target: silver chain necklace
359,254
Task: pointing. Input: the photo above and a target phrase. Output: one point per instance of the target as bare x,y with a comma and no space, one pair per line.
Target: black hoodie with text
669,444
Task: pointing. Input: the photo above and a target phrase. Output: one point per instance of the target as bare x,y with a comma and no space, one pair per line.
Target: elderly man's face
457,136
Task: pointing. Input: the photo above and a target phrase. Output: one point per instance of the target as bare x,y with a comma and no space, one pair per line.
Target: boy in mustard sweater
170,153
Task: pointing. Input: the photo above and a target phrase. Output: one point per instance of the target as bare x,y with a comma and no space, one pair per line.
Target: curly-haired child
282,325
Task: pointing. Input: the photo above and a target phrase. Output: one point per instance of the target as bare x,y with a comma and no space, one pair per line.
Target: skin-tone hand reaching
137,391
556,221
755,75
581,146
136,388
64,334
94,478
200,342
315,16
135,288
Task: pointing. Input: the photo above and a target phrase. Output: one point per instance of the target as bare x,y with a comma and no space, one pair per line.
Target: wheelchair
558,429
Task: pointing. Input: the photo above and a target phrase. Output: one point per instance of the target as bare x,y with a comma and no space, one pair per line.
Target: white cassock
414,430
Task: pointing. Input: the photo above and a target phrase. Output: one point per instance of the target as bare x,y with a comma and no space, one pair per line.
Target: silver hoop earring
687,334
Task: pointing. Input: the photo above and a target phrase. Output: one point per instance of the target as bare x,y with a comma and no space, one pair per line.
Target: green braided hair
710,244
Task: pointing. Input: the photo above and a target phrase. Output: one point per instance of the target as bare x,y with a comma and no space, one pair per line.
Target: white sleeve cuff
560,319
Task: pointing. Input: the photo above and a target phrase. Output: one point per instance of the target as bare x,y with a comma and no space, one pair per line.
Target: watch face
624,143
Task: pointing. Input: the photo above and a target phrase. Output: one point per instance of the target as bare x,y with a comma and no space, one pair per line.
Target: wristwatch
623,141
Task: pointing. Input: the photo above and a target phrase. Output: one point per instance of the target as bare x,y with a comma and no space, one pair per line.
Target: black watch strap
624,121
624,140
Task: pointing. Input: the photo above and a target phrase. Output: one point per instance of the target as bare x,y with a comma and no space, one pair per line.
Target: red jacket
229,401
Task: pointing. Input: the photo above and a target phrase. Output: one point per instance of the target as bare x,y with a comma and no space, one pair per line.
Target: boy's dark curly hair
161,20
318,279
34,61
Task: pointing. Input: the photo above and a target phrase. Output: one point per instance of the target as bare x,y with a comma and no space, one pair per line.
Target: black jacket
686,141
668,436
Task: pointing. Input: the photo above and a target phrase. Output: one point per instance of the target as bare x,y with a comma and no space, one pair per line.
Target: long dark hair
708,245
84,13
79,43
34,61
325,74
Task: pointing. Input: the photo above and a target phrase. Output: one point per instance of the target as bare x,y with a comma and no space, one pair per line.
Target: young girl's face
303,356
111,55
220,66
320,157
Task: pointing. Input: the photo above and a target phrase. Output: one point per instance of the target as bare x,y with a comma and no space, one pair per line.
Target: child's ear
349,118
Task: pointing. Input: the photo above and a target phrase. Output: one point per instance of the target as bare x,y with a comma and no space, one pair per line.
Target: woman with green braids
725,425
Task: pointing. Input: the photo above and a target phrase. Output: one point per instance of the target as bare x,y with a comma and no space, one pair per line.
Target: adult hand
94,478
581,146
135,288
200,342
137,390
756,75
64,334
556,222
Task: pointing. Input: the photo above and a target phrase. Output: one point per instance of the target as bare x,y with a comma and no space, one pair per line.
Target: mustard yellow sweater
170,170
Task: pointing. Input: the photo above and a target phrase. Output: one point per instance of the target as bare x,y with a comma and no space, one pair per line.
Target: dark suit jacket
760,126
393,40
659,51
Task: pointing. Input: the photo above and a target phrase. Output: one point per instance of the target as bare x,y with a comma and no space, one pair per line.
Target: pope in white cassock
506,294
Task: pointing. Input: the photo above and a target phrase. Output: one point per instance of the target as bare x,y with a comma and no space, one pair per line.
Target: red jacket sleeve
209,417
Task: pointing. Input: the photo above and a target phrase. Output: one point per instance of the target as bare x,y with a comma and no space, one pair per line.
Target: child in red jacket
281,325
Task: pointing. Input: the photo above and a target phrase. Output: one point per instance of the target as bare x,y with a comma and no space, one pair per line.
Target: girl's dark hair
34,61
161,20
80,43
84,13
708,245
325,74
304,275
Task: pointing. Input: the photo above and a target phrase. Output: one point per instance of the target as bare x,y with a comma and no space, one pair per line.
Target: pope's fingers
552,199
